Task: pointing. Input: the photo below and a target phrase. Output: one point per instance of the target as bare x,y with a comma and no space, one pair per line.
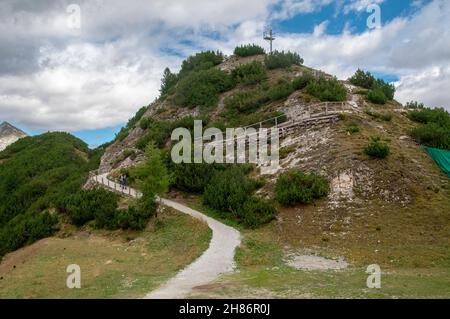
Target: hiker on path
122,181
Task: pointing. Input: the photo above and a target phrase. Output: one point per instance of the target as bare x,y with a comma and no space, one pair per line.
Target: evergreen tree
168,81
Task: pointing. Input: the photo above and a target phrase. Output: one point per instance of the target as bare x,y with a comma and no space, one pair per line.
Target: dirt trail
216,260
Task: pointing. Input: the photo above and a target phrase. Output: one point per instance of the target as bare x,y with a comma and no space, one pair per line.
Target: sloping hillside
391,211
35,172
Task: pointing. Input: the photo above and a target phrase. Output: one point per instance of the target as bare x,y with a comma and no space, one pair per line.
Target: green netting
441,157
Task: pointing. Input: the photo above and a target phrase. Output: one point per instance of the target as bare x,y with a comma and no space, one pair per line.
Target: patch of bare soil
310,262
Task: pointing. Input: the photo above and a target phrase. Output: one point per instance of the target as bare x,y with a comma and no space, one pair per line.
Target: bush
228,190
250,73
327,90
414,105
158,132
168,82
154,179
424,116
202,88
247,101
302,81
387,117
296,187
278,60
367,80
193,177
248,50
433,135
133,218
256,212
24,230
87,205
201,61
363,79
353,128
377,96
388,89
377,149
280,91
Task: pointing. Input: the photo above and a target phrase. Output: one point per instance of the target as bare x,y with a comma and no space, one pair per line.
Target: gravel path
217,259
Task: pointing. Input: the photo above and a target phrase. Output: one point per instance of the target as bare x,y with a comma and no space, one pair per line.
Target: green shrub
247,101
302,81
278,60
158,132
133,218
387,117
377,149
388,89
296,187
248,50
202,88
433,135
280,91
363,79
193,177
414,105
367,80
250,73
87,205
427,115
228,190
377,96
353,128
256,212
25,229
327,90
168,82
201,61
154,179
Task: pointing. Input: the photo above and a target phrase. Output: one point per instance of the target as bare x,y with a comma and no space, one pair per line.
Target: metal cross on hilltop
269,36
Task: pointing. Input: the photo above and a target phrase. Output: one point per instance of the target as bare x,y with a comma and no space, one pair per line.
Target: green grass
113,264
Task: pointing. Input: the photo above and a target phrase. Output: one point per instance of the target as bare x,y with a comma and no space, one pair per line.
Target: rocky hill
374,206
9,135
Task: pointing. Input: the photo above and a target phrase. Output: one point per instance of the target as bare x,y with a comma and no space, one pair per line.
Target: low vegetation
201,88
379,91
246,50
377,149
200,62
387,117
281,60
434,130
327,90
230,193
250,73
36,173
296,187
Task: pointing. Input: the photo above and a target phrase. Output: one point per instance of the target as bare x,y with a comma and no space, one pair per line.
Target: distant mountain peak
9,134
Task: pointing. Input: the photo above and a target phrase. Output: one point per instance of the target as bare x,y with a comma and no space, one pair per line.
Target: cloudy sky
90,80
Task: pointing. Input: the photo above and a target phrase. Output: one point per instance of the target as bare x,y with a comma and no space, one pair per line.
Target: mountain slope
392,212
9,134
35,172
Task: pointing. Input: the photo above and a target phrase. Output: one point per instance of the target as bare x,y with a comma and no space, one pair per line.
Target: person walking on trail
122,181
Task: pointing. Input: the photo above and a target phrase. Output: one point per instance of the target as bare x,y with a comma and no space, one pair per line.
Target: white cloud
53,78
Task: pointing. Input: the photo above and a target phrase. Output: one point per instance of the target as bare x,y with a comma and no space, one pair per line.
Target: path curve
216,260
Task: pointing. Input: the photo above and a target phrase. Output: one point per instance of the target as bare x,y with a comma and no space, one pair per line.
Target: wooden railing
113,186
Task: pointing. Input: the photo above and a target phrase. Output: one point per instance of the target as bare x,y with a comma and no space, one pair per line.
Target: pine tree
168,81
